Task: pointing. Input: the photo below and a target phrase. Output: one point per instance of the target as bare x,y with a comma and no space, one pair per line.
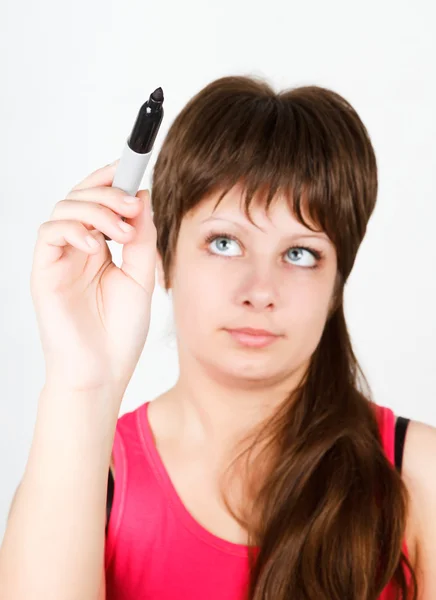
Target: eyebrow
320,235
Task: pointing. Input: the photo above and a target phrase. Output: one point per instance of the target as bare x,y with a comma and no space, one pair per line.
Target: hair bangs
271,148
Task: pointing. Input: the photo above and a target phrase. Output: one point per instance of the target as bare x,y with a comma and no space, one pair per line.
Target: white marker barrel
130,170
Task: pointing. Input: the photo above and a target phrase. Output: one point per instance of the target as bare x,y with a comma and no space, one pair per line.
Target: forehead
279,214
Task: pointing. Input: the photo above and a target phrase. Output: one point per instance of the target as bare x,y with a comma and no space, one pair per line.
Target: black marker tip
157,95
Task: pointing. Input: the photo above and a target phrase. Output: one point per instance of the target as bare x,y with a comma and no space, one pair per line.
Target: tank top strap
132,477
386,422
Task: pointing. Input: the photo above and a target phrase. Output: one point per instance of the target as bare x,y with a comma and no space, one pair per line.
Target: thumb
139,255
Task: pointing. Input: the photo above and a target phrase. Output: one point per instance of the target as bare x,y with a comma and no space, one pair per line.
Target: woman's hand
94,317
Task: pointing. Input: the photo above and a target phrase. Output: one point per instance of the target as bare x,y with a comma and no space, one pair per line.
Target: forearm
53,546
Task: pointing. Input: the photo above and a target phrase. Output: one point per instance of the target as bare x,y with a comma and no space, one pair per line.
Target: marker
139,146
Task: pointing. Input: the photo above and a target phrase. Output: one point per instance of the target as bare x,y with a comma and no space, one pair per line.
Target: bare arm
419,474
53,546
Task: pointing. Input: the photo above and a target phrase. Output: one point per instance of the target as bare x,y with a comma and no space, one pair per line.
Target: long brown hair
329,516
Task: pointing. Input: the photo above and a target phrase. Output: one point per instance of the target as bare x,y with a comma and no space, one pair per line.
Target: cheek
305,305
311,321
308,304
199,295
305,325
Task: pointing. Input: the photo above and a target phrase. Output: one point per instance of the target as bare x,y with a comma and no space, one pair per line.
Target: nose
260,289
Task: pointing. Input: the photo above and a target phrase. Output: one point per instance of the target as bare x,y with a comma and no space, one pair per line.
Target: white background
73,76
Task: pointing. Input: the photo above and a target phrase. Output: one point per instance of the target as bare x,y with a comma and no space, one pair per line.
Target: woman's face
229,273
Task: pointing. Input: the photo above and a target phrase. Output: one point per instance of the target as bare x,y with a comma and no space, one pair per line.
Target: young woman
267,471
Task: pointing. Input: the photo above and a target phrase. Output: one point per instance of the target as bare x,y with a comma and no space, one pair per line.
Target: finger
54,236
112,198
139,253
95,216
103,176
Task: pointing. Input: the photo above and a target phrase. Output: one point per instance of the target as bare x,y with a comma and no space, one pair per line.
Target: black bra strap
110,496
400,434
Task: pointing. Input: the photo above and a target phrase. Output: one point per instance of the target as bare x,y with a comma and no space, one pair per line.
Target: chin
254,369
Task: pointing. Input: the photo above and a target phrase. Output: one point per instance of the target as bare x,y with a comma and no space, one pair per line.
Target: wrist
111,389
101,403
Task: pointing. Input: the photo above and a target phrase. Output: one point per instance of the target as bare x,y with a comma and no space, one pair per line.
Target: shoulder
419,475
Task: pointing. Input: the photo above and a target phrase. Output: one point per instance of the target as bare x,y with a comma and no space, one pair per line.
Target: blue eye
307,250
220,237
314,254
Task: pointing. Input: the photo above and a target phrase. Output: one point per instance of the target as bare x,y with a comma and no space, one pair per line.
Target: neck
215,412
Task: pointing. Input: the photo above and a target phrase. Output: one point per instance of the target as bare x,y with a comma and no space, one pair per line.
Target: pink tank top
155,549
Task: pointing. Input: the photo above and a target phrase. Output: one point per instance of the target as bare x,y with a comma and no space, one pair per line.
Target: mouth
253,338
251,331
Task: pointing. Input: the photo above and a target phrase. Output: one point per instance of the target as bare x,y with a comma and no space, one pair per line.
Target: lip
250,331
247,338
